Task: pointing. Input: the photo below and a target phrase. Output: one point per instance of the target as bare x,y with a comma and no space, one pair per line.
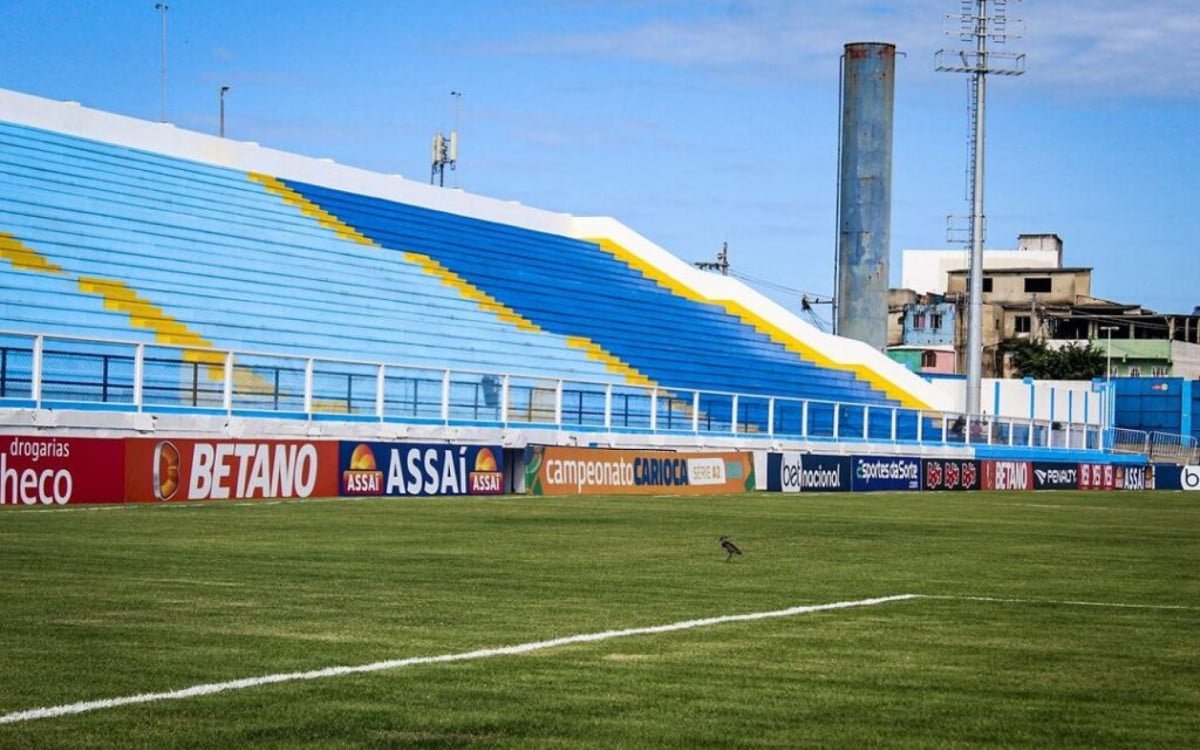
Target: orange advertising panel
177,470
561,470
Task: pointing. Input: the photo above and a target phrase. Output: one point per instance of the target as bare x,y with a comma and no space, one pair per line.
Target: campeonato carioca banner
179,469
562,470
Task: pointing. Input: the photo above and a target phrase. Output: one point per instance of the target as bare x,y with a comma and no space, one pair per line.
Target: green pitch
1055,620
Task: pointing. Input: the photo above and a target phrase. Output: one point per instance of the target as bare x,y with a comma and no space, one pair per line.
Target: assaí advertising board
1055,475
565,470
53,471
873,473
793,471
186,469
951,473
420,469
1007,475
1135,477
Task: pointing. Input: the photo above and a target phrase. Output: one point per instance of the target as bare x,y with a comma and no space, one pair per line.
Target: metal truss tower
979,23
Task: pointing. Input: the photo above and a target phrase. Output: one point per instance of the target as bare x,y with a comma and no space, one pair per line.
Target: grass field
1058,620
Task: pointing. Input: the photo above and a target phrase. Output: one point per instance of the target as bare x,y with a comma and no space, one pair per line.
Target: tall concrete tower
865,191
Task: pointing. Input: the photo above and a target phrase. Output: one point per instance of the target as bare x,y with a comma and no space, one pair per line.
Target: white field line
1061,602
523,648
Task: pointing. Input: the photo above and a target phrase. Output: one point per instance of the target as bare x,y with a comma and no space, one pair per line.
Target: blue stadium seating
575,287
146,247
218,253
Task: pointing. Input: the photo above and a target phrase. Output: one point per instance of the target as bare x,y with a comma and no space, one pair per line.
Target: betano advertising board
563,470
1007,475
57,471
405,469
186,469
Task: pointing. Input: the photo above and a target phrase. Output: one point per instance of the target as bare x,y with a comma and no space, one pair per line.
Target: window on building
919,320
935,320
1135,372
987,284
1037,284
1160,372
1022,324
928,359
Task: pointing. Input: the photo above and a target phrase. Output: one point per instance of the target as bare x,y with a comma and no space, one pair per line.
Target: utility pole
222,126
163,8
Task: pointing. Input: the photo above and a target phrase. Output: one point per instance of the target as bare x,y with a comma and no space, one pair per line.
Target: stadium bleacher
112,242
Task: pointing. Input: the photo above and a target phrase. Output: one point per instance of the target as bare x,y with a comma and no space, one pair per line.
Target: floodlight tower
975,23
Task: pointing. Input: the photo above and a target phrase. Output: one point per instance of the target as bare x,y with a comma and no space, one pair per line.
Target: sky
694,122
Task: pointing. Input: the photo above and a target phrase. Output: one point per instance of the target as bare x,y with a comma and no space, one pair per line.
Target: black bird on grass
728,545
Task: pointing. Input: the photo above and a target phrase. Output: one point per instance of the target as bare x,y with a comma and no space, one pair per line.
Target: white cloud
1102,47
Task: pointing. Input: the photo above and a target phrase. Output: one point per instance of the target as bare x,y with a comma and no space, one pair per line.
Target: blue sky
693,122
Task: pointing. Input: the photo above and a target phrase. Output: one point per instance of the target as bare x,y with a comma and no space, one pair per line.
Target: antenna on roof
445,148
722,263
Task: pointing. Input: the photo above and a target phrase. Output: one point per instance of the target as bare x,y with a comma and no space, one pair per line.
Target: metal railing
1160,447
45,371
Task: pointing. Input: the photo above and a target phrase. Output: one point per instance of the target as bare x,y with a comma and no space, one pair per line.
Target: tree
1033,359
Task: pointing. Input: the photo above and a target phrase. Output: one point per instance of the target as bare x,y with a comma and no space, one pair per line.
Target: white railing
61,372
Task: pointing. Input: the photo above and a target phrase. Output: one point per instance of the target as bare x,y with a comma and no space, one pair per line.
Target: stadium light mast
221,129
163,8
975,24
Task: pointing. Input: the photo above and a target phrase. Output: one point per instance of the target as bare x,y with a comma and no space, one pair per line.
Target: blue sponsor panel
825,473
1168,477
874,473
951,473
409,469
775,469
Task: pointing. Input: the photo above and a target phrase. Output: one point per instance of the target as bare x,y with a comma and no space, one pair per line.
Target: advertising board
420,469
56,471
1134,477
1007,475
565,470
186,469
1189,478
951,473
1055,475
1097,477
874,473
793,471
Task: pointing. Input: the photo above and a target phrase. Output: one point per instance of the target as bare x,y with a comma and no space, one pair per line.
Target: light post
222,97
164,8
1108,399
454,157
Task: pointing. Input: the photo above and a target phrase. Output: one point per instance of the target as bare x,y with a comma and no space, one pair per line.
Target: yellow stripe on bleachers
491,304
275,186
23,257
772,331
451,279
